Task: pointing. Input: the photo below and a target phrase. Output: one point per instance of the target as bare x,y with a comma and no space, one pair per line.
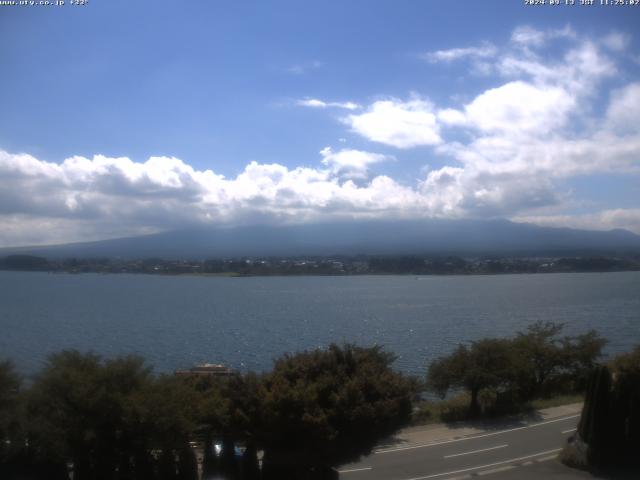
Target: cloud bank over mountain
505,151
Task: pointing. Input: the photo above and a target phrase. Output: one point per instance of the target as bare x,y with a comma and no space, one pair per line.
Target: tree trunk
474,407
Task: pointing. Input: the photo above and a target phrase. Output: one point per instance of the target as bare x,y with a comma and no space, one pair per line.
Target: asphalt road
494,452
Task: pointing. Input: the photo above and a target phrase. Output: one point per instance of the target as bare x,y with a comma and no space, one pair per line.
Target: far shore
408,265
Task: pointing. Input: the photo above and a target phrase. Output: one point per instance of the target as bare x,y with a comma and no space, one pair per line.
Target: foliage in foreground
608,435
113,419
513,371
329,407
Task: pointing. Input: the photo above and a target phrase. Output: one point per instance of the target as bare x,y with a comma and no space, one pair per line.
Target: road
490,452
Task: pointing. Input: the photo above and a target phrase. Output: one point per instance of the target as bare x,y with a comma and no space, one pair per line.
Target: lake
176,321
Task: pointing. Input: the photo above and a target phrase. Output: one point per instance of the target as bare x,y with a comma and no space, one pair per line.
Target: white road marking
354,470
479,467
569,431
476,451
545,459
424,445
496,470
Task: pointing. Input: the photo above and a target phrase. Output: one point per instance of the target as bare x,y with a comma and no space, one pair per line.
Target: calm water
246,322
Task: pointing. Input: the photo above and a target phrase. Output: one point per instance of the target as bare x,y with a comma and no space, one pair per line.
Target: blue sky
121,118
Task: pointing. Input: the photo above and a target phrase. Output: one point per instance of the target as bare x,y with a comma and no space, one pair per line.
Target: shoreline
306,274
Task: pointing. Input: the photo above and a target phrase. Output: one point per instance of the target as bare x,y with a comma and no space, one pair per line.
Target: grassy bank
456,408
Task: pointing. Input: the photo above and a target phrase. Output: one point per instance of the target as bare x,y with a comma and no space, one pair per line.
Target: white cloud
397,123
616,41
516,107
529,37
624,109
626,218
503,151
515,141
451,116
350,163
316,103
483,51
102,197
580,70
526,35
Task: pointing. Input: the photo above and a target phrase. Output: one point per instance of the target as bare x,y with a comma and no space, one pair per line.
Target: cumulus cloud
502,151
102,197
521,134
516,107
316,103
350,163
398,123
513,142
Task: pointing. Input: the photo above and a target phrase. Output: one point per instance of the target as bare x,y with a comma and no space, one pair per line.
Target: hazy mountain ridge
373,238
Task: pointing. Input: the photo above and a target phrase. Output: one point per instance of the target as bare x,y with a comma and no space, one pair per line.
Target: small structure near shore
207,370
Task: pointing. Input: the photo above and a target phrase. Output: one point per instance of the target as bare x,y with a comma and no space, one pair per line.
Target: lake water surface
176,321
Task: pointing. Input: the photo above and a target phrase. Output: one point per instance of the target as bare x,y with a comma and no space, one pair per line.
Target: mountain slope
372,237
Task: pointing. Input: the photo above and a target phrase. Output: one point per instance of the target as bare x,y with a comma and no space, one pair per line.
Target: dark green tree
610,420
548,363
104,416
326,407
581,354
540,355
161,416
245,395
485,364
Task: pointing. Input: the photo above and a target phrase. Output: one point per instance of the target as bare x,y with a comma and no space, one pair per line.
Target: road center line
476,451
473,437
511,460
354,470
569,431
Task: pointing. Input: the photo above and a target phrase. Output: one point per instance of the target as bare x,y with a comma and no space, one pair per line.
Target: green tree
540,355
245,395
610,420
581,355
80,409
627,363
537,361
485,364
161,416
547,362
326,407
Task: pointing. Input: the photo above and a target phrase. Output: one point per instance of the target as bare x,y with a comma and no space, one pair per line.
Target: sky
122,118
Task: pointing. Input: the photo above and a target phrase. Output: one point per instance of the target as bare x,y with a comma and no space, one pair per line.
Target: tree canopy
485,364
534,362
326,407
112,418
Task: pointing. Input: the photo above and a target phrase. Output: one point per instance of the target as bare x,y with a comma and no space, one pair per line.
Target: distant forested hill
432,237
